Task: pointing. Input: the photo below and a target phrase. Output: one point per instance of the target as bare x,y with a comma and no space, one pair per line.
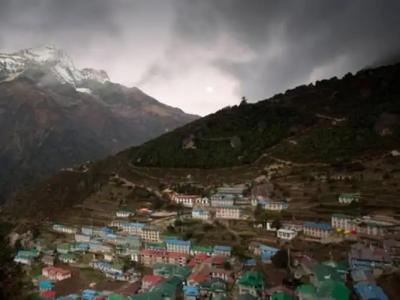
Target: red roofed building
149,281
197,260
197,277
149,257
56,274
48,294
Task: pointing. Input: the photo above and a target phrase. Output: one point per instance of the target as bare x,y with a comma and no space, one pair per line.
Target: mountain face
54,116
342,126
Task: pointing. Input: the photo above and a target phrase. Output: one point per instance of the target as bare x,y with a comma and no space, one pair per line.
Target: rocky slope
54,116
342,126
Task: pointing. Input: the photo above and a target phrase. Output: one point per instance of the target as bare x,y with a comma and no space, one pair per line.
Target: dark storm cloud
291,42
201,55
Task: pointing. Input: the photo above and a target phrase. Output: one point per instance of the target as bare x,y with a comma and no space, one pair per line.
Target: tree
280,259
244,101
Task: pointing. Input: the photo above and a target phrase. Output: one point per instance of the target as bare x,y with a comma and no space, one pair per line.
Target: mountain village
141,254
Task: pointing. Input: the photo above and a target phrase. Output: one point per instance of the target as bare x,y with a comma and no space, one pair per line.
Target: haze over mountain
54,115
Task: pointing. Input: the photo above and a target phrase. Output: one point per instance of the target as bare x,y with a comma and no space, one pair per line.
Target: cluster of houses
181,269
228,203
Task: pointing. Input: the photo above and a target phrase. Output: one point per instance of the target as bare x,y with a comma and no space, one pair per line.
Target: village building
186,200
56,274
148,281
369,291
67,258
251,283
286,234
88,230
26,257
99,247
197,249
79,247
348,198
178,246
317,230
274,205
108,267
150,234
228,212
222,200
82,238
265,252
368,257
134,228
63,248
232,190
48,260
201,213
64,229
123,213
222,250
118,223
167,270
295,225
343,223
202,202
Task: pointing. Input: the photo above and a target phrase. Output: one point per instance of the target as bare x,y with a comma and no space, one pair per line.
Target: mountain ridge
335,125
55,116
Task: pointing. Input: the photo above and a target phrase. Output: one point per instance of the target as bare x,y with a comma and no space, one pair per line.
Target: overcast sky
202,55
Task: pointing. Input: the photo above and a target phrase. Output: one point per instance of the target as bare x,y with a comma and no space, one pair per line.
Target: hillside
55,116
342,126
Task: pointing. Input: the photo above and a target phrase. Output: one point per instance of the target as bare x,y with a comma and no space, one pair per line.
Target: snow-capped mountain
55,60
54,115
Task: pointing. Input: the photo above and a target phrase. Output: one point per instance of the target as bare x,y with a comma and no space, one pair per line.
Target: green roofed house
115,296
63,248
348,198
196,249
321,272
171,270
306,292
333,290
281,296
155,246
165,290
251,283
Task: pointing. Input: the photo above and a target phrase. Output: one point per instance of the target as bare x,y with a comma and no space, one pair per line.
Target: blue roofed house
368,257
178,246
26,257
200,213
222,250
317,230
266,252
191,292
89,294
45,285
369,291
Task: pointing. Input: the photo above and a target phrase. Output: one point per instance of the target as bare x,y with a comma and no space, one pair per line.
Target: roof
115,296
152,278
323,272
198,248
322,226
252,279
306,289
45,284
136,225
218,248
281,296
368,291
178,242
192,291
333,289
342,216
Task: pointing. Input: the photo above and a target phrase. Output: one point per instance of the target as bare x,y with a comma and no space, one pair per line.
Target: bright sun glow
209,89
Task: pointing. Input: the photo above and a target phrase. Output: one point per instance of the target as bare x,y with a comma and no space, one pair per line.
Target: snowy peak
97,75
57,61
